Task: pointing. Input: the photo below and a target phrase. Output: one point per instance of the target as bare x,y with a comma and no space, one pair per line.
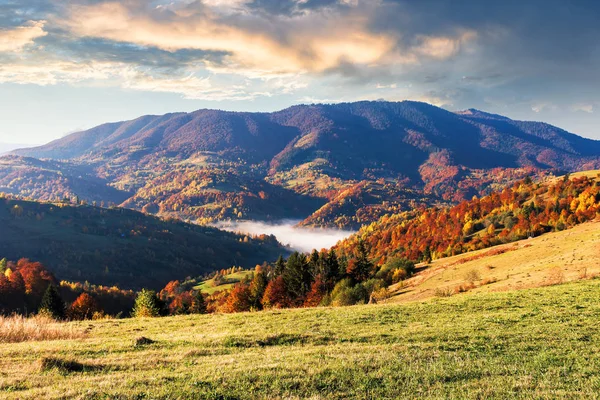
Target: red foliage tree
239,299
83,307
275,294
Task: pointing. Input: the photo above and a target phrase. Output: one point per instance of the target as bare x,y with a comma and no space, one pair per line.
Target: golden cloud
16,38
314,43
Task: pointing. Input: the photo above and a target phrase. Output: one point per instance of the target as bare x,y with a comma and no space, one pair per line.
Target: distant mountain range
335,165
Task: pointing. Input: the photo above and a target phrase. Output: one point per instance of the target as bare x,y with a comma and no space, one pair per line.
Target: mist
287,233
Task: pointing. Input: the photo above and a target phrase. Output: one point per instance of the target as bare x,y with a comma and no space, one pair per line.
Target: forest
357,271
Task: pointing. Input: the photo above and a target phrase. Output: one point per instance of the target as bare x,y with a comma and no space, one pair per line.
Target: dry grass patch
16,328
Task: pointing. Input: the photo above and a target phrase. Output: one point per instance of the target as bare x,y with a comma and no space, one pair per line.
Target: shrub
345,294
395,270
472,276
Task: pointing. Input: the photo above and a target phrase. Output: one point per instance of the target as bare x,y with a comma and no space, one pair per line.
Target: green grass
231,279
536,343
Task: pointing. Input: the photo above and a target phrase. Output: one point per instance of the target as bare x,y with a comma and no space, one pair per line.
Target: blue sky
67,66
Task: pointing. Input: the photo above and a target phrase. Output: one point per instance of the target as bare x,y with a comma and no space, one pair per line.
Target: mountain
335,165
121,247
7,147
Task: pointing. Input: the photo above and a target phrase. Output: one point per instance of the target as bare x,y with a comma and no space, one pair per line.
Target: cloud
301,239
523,55
17,38
585,107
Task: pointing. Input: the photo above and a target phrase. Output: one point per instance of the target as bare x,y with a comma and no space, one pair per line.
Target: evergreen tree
146,304
360,267
297,277
331,272
52,304
279,266
198,303
315,264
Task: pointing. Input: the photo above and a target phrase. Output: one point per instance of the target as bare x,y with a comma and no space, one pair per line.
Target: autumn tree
318,290
84,307
239,299
275,294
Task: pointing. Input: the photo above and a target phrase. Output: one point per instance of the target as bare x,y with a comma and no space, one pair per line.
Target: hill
525,209
350,163
121,247
535,343
549,259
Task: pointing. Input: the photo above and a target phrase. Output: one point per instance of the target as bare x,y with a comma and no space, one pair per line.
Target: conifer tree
198,303
52,304
146,304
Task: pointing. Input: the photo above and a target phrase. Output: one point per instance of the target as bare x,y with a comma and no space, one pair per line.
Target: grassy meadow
551,258
535,343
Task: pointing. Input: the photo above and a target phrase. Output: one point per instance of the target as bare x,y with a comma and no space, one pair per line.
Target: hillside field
552,258
534,343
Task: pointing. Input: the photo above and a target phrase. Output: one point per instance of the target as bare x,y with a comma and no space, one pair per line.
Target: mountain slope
550,259
121,247
416,150
525,209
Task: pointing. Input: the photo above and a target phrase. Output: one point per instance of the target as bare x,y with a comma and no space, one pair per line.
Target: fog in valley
298,238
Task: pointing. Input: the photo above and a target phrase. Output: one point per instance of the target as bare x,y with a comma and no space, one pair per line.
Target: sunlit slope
551,258
536,343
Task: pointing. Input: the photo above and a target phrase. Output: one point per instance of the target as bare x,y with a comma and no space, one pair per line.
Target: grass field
534,343
208,287
551,258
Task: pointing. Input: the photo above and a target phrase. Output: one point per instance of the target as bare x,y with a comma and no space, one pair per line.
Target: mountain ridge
399,154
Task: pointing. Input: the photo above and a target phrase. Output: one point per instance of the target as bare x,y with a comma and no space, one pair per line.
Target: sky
71,65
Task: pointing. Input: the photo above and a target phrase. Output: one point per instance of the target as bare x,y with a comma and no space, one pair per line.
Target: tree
198,303
360,267
52,304
316,293
239,299
279,266
257,289
297,277
146,304
275,296
84,307
3,264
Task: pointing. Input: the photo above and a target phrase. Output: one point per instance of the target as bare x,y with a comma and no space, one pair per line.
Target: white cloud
15,39
585,107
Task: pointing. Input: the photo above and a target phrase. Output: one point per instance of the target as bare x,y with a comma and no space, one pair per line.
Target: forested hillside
524,209
339,165
119,246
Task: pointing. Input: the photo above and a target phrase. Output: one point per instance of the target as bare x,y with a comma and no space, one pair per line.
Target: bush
345,294
395,270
